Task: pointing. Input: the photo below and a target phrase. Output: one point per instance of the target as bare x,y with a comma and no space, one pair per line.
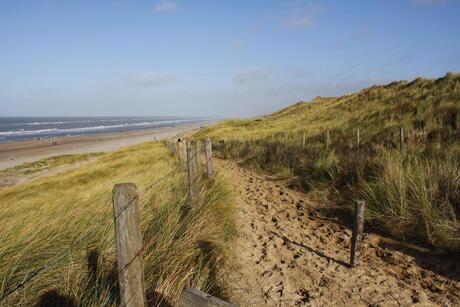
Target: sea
28,128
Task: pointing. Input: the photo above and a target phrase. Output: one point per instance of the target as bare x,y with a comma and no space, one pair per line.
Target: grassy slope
414,195
373,109
65,222
47,163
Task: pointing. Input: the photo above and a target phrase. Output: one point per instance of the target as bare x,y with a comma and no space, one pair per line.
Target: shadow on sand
310,249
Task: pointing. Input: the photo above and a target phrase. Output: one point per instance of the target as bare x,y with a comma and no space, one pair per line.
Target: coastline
18,152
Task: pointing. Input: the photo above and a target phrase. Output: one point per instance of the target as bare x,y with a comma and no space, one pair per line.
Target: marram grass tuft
59,230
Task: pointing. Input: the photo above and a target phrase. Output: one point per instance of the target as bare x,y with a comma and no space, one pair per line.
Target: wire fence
179,168
392,137
127,228
56,259
43,268
192,157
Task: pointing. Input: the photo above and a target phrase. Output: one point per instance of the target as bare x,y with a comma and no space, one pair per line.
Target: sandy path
291,252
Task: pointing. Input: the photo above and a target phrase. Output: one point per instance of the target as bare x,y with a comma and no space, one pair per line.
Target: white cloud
297,22
165,6
149,79
251,76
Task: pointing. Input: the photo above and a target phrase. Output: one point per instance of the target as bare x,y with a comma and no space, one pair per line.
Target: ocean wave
26,132
51,131
40,123
36,123
50,123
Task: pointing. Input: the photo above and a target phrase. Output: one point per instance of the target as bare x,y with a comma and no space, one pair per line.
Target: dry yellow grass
427,104
47,163
60,228
412,195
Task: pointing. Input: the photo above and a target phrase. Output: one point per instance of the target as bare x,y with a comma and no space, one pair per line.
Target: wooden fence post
197,157
177,149
184,150
327,139
358,226
129,245
208,150
182,153
401,138
273,137
172,148
286,137
192,297
191,175
303,139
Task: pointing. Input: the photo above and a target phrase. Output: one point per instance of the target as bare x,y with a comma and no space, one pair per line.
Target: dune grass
60,228
417,198
411,194
51,162
429,106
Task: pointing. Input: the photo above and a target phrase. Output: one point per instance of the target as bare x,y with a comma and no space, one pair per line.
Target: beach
18,152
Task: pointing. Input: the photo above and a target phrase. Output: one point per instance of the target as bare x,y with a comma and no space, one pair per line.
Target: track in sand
294,252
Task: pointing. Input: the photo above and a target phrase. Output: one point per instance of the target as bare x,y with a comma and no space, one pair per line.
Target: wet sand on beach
16,153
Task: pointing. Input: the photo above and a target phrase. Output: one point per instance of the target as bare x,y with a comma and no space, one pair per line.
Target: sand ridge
294,252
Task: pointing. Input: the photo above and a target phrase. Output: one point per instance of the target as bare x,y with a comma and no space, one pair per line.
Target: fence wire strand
41,269
60,256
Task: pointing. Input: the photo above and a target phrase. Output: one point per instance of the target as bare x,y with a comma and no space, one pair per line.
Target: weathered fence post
401,138
192,297
173,148
129,244
184,150
197,157
273,137
177,144
357,237
286,137
191,175
208,151
303,139
357,138
327,139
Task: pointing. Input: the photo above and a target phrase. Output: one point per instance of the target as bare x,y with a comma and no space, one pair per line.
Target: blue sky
213,58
